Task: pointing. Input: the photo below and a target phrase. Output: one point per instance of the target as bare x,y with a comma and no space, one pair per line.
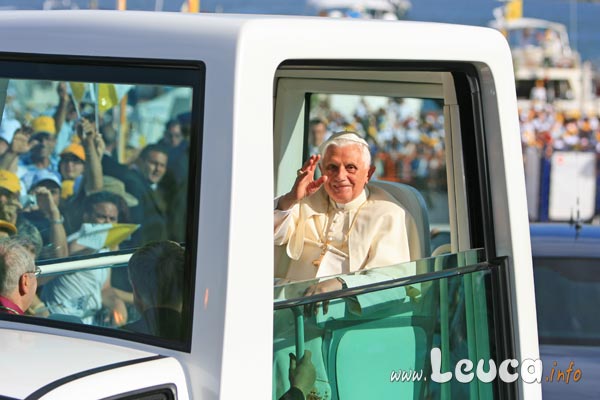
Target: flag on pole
514,10
100,236
109,95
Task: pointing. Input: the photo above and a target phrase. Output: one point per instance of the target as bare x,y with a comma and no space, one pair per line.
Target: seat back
417,219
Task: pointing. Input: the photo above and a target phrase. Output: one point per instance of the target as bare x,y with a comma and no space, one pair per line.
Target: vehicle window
95,162
406,138
388,343
394,305
566,292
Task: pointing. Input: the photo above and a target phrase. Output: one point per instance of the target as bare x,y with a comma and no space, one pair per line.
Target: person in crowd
81,170
41,154
43,212
7,229
28,242
10,208
178,148
175,181
119,276
110,164
156,274
71,167
18,278
88,294
151,212
8,127
19,145
65,118
317,134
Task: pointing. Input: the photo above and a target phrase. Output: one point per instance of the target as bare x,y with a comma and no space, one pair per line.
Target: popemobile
190,125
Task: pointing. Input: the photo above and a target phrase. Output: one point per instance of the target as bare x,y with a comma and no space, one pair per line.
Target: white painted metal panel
232,327
572,186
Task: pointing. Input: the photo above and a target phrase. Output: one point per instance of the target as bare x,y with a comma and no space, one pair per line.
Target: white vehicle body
229,351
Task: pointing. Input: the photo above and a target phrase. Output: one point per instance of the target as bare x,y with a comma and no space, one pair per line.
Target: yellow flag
107,97
118,233
67,188
78,90
514,9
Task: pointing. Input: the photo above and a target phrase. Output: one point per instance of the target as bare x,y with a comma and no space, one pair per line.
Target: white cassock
322,238
368,232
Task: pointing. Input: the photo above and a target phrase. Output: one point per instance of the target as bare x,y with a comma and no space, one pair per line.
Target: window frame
142,71
473,175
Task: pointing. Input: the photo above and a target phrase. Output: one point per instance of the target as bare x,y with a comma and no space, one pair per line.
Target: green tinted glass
376,340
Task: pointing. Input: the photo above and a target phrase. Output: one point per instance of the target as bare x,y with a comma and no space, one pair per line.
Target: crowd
550,130
61,179
406,142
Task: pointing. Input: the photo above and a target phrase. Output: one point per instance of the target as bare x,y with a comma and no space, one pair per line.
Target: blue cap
45,175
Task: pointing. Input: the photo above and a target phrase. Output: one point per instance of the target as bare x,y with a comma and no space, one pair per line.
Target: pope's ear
371,172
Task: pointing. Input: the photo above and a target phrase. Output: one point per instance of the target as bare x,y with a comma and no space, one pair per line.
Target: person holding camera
42,210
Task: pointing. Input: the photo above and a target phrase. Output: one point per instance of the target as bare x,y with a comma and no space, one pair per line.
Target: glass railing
387,338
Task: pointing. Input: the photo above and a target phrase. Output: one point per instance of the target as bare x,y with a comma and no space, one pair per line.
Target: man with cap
71,167
7,229
10,208
43,140
10,189
43,212
41,144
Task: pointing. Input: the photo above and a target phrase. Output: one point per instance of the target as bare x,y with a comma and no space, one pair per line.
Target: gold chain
325,238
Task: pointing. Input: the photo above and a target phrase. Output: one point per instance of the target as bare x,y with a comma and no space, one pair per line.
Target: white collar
352,204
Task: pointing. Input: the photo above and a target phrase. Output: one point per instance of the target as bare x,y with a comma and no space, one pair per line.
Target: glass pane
96,168
406,137
364,352
567,292
114,158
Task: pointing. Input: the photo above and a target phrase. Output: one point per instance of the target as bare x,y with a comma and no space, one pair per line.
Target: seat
399,336
417,221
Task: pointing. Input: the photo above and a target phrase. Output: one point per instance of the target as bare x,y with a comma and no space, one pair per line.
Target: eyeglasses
37,271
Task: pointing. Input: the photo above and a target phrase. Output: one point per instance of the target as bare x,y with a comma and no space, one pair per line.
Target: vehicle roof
207,36
562,240
33,360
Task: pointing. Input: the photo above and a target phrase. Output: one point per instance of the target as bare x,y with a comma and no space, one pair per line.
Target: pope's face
346,172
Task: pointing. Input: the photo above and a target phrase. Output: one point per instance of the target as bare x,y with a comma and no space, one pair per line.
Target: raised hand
20,143
62,91
46,204
86,130
305,184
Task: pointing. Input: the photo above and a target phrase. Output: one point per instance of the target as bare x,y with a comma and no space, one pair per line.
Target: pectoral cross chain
317,262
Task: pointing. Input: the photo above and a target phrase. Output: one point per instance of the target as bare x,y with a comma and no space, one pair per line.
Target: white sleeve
283,224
